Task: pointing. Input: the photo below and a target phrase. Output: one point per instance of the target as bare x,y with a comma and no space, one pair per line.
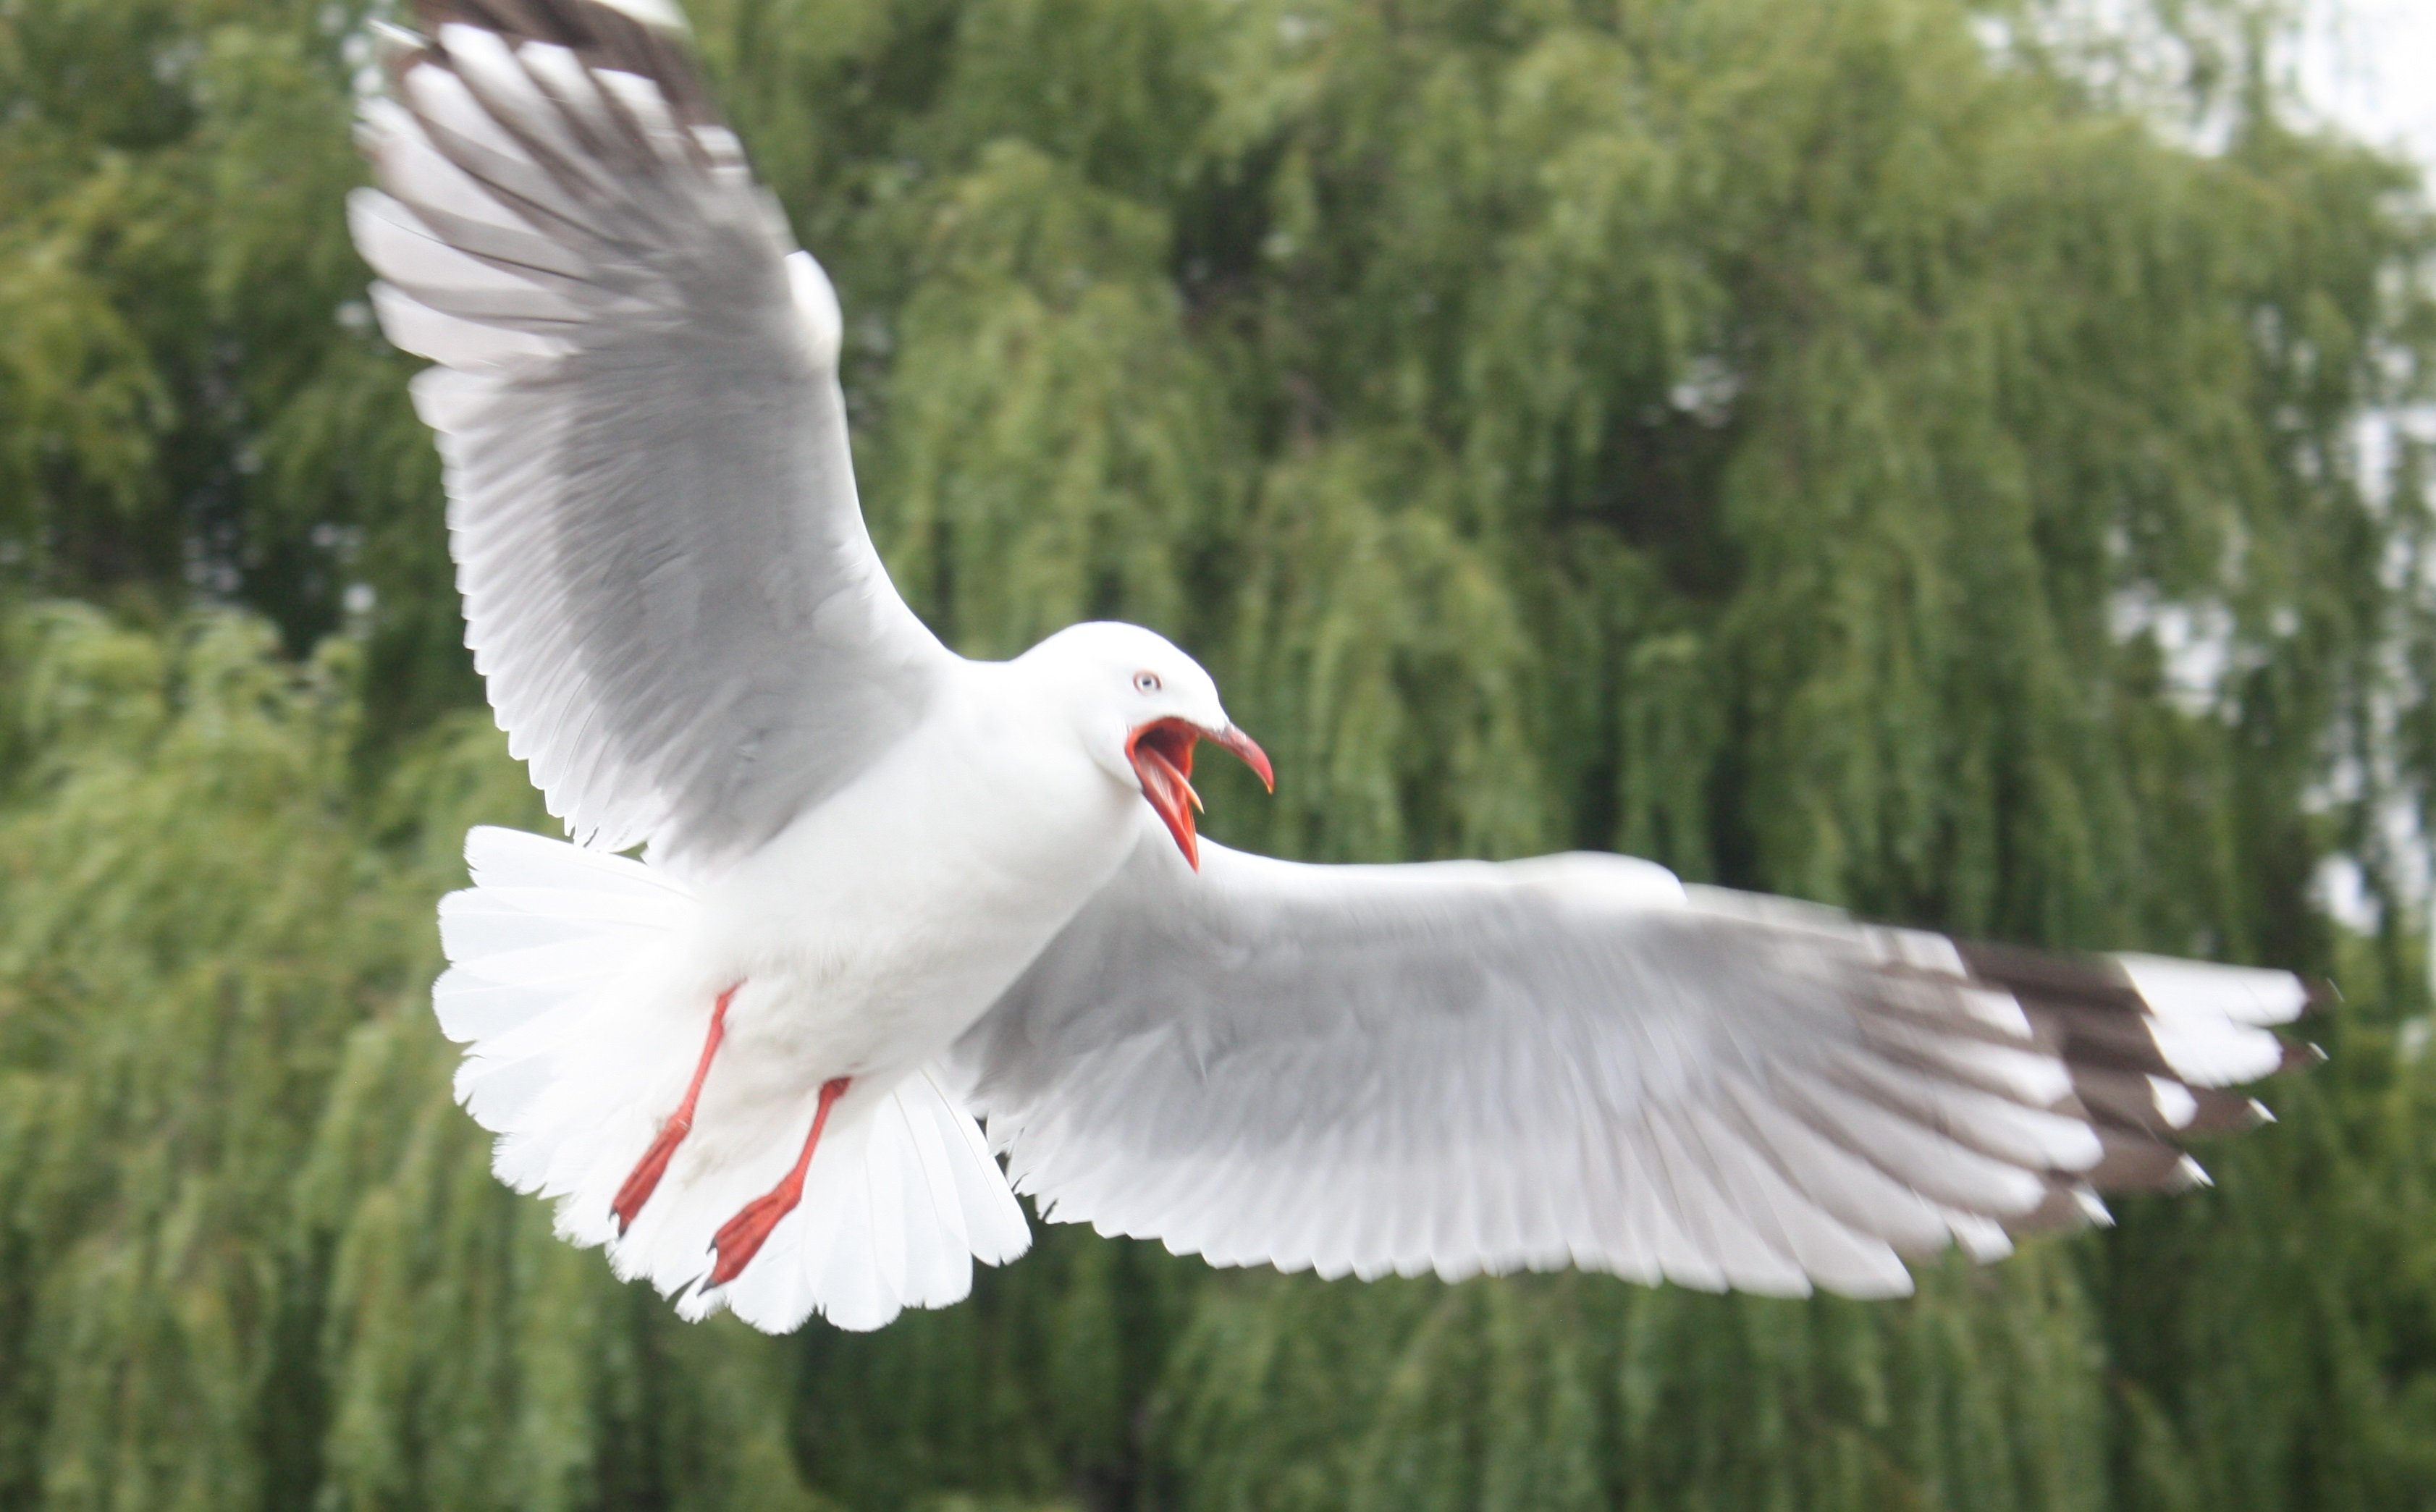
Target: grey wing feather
1463,1066
667,584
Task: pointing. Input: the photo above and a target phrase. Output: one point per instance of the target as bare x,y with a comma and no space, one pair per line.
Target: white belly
880,926
859,943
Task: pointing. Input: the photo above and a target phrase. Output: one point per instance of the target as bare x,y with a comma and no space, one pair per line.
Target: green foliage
192,396
1793,439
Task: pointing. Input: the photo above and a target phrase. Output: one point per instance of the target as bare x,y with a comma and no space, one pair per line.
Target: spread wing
1462,1067
667,584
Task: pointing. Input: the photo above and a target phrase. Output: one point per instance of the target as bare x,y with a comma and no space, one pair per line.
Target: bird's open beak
1161,753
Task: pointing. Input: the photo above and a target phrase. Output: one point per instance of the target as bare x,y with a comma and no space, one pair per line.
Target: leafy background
1928,456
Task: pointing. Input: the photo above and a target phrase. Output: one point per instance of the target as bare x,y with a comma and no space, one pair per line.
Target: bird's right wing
1464,1066
667,584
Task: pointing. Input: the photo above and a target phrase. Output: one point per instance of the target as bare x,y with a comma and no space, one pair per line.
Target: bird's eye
1145,682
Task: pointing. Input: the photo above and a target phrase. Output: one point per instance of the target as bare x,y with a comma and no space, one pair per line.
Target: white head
1139,706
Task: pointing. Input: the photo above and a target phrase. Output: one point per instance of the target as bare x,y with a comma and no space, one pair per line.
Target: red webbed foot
741,1237
645,1178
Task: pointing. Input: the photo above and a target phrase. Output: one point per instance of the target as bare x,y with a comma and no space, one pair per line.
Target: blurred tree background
1919,455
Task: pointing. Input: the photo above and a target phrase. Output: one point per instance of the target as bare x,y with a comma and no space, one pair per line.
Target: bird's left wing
667,584
1463,1065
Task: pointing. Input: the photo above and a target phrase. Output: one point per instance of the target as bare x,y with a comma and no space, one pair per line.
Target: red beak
1161,753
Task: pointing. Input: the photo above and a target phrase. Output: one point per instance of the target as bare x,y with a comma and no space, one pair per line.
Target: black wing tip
2089,1010
568,22
617,38
2095,978
2300,1055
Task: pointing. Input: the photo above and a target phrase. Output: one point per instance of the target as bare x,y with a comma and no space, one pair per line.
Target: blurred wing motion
667,584
1466,1066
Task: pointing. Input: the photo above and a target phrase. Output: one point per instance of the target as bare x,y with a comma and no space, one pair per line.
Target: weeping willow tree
1915,455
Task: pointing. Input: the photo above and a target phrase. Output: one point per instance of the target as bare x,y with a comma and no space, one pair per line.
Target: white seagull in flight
889,892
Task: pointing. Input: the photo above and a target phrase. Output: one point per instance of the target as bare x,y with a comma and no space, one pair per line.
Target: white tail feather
566,986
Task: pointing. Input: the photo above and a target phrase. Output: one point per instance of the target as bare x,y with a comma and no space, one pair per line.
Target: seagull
889,897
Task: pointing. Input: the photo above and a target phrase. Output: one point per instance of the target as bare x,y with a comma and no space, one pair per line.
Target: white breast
878,927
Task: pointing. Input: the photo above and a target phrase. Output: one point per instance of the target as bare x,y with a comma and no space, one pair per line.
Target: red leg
645,1178
743,1236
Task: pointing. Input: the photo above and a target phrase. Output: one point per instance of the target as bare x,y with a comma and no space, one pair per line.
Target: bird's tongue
1161,753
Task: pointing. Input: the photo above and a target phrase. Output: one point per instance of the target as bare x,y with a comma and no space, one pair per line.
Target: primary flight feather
889,892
